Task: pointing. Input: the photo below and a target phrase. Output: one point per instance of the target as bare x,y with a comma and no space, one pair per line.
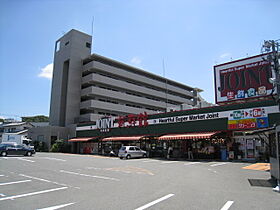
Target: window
88,45
131,149
137,148
57,46
19,147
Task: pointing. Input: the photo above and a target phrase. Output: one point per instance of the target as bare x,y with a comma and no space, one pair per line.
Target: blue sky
190,35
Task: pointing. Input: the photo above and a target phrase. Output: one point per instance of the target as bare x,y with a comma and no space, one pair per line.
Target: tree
38,118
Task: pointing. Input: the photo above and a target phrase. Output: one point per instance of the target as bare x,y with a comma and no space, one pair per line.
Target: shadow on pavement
262,182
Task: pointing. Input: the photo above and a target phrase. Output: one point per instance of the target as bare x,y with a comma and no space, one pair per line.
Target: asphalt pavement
70,181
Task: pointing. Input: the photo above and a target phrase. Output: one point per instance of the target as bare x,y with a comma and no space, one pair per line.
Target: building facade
86,87
227,131
220,132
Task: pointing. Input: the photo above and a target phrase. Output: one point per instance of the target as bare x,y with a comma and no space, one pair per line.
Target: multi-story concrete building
86,87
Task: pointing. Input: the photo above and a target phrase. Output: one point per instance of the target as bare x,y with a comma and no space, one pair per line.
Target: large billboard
243,79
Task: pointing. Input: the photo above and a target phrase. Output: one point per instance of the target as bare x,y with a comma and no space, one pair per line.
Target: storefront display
209,133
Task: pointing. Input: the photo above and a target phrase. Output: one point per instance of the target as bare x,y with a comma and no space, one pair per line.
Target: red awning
188,136
123,138
80,139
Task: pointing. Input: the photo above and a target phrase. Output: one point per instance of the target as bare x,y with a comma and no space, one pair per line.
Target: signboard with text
243,79
248,119
237,119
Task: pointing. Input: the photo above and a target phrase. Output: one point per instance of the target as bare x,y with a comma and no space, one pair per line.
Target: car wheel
4,153
144,155
128,157
29,154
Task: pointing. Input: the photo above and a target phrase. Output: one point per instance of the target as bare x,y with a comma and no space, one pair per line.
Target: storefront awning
123,138
188,136
80,139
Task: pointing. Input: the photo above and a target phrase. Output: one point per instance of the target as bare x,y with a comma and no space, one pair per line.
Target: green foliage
38,118
1,120
40,146
60,146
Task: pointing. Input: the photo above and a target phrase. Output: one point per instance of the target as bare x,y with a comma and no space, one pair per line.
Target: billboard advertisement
243,79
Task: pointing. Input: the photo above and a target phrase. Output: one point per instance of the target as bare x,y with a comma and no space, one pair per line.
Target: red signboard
243,79
133,120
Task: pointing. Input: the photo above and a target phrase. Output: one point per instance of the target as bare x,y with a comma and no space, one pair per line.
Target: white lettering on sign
186,118
105,124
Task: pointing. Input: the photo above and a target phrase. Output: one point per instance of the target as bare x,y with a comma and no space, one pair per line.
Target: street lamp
273,46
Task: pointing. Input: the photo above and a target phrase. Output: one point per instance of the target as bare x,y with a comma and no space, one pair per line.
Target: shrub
60,146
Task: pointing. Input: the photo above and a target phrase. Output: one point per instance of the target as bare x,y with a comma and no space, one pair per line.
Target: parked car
16,149
131,152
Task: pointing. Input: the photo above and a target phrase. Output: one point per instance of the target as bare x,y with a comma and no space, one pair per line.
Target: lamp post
273,47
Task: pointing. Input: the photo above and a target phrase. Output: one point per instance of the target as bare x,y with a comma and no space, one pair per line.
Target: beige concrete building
87,87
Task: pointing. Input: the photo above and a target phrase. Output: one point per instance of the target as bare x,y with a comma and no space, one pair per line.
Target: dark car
16,149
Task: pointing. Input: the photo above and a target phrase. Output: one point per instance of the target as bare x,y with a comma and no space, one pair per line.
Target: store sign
243,79
132,120
248,119
237,119
187,118
105,124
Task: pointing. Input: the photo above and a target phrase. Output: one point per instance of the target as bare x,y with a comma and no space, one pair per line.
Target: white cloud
47,71
225,55
136,61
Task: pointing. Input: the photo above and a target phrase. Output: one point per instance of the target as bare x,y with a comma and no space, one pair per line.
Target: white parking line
57,207
32,161
45,180
218,164
167,162
94,168
227,205
155,202
33,193
49,158
212,170
148,161
17,182
87,175
32,177
191,163
1,175
135,160
19,158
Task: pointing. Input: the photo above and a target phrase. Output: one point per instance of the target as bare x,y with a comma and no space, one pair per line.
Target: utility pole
273,46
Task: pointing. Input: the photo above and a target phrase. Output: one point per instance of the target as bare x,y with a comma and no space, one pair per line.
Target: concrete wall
118,84
137,77
66,83
45,134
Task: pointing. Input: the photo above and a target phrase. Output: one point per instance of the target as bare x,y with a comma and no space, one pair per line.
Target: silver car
131,152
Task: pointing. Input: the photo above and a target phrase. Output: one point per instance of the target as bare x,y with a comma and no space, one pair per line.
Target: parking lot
69,181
